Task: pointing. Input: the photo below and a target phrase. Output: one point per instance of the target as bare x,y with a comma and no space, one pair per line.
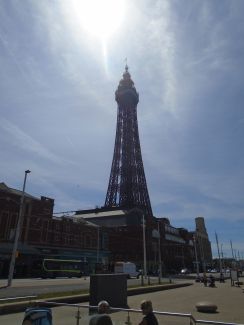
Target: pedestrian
211,281
101,318
205,279
147,310
221,278
103,307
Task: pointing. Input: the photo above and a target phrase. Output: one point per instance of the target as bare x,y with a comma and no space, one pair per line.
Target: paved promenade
230,302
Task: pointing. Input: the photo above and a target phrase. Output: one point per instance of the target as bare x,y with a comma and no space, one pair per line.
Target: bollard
78,317
128,322
142,280
192,320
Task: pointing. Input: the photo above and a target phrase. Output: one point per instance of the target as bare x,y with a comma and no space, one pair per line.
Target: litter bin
109,287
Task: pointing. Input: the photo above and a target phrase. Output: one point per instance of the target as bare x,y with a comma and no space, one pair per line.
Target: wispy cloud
21,140
58,111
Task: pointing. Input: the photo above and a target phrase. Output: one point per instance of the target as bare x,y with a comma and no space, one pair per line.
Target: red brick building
44,235
124,227
103,234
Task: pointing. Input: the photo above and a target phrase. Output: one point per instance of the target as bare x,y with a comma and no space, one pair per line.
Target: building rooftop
97,213
5,188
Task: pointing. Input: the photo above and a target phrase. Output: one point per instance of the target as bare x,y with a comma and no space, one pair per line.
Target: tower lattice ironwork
127,183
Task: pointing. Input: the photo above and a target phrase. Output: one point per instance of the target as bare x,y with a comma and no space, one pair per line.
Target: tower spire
126,66
127,186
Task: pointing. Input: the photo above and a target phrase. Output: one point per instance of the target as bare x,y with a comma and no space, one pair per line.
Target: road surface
32,287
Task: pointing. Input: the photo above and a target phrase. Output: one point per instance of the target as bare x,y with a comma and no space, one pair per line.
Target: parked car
128,268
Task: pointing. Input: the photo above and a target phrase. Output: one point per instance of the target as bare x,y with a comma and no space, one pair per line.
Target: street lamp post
195,247
144,248
232,250
220,262
159,257
98,243
183,256
17,233
222,256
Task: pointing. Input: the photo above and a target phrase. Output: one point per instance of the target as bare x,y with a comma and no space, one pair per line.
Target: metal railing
14,299
191,319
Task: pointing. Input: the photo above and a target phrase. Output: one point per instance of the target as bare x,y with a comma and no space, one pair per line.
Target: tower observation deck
127,186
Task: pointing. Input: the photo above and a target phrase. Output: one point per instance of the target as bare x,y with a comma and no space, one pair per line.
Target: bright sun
100,17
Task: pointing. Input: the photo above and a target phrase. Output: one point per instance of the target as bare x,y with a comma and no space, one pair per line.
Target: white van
126,267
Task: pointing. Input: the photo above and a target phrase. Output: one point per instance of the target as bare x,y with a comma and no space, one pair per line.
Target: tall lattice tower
127,186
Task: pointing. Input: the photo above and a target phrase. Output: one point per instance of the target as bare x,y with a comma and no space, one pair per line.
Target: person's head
103,307
146,307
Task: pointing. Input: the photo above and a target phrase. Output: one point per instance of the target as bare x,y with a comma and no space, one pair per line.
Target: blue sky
59,73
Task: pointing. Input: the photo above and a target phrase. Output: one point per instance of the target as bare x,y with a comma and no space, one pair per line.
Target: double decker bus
52,268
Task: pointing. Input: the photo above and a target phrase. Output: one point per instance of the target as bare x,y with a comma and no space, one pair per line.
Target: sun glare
101,18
